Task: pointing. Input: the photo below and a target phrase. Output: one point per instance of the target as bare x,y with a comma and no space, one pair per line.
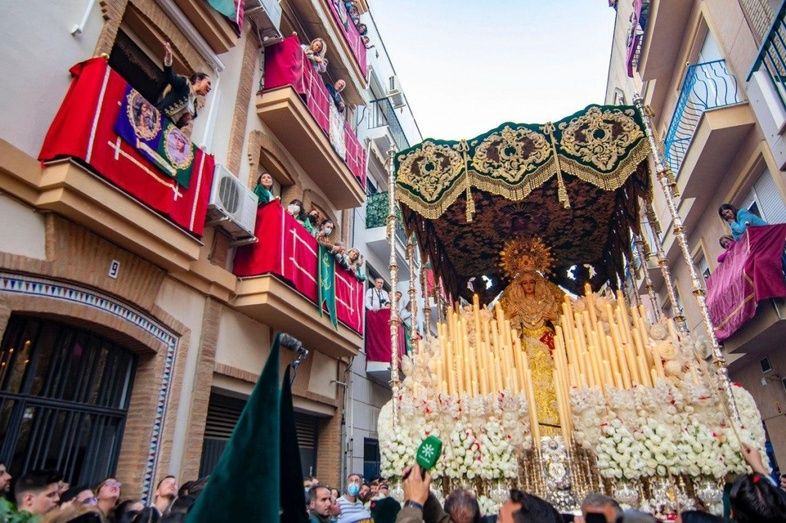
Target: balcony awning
520,179
752,271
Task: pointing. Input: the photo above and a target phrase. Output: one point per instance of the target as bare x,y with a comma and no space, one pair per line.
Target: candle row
481,355
595,353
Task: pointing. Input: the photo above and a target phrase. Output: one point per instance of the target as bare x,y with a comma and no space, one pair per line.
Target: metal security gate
222,415
64,396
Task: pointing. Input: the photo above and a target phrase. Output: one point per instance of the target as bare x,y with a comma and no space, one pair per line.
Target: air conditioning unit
266,17
395,94
232,205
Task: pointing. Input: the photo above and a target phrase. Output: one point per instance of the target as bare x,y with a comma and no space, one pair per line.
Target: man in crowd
37,492
600,504
377,297
462,507
350,504
5,480
319,505
165,494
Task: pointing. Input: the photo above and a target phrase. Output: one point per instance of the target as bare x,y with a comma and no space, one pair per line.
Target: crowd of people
753,497
44,496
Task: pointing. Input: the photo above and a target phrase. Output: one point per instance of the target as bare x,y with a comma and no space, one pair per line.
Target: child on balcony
727,242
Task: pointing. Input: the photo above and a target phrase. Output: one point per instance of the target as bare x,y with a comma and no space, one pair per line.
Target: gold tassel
463,146
562,191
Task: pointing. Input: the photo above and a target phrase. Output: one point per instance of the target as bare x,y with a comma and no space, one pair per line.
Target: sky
467,66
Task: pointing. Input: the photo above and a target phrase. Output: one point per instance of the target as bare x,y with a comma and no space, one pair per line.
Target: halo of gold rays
525,254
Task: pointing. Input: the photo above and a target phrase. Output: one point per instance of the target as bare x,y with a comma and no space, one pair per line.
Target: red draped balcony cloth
378,337
751,272
286,65
351,33
84,130
285,249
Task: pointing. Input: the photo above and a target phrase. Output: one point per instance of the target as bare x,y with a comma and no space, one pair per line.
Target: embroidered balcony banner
327,284
156,138
84,130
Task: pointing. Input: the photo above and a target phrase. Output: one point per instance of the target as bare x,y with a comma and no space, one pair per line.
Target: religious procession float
544,375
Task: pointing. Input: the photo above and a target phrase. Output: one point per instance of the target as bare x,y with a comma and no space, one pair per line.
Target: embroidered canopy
575,183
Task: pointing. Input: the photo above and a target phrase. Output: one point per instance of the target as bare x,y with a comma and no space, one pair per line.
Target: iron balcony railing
772,54
383,113
706,86
377,214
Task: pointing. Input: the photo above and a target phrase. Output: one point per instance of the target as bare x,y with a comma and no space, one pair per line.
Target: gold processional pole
662,173
393,267
652,221
426,304
413,302
639,241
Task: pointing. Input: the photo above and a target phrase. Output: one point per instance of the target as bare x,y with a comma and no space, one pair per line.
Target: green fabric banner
179,152
246,483
293,499
327,284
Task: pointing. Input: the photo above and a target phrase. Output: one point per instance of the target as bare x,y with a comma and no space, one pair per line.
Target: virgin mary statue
532,303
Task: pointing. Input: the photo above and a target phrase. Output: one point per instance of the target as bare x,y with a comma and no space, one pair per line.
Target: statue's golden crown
526,254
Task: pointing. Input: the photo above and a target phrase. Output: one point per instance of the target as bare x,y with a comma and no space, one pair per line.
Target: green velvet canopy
575,183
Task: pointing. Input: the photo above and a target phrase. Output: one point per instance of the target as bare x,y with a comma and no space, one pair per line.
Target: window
64,396
370,458
702,265
765,199
134,63
619,97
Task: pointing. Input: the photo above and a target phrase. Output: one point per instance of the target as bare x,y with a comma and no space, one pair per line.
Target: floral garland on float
641,416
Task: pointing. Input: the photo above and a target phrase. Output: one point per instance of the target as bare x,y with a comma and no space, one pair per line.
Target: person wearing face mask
296,210
351,506
323,237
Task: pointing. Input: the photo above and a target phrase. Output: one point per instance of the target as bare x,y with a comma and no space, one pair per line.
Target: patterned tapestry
575,183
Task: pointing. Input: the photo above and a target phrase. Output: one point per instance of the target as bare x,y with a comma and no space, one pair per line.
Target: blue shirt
740,224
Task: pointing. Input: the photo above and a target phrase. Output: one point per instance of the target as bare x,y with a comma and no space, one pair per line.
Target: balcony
296,106
346,53
745,293
96,175
377,208
769,71
384,127
378,347
278,286
710,120
636,31
665,30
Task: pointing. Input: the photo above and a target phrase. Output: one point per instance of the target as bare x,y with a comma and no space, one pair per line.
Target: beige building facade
128,343
700,66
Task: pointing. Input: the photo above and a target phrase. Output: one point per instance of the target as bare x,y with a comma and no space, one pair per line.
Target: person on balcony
376,297
182,97
314,219
335,94
355,263
295,209
264,189
315,52
727,242
323,238
739,219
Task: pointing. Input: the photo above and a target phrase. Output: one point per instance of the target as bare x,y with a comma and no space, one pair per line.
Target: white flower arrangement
488,507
